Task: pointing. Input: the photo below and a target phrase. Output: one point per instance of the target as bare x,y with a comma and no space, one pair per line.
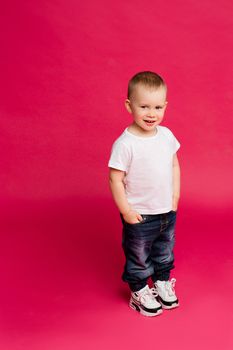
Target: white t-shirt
147,163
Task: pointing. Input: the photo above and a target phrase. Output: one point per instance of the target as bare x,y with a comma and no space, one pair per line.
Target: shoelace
169,286
147,295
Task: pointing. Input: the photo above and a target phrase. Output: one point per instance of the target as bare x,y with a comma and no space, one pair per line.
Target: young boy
145,184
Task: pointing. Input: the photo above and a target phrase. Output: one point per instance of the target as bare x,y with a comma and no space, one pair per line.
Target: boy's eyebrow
157,105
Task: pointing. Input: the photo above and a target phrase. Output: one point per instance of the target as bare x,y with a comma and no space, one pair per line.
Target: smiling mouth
150,121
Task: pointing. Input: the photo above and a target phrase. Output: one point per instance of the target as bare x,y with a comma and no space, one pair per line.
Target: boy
145,184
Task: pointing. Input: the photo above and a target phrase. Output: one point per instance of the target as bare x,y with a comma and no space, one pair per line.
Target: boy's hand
132,217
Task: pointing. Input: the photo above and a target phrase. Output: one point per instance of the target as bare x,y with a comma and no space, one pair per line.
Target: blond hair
148,79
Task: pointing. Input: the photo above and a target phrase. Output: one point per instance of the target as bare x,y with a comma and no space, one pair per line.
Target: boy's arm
176,182
117,187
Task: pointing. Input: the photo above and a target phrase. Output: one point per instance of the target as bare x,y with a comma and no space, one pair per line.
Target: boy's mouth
150,122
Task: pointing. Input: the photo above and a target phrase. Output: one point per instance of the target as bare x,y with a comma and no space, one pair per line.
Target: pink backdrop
65,67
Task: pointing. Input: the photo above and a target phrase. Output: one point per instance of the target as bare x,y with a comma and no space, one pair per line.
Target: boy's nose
151,114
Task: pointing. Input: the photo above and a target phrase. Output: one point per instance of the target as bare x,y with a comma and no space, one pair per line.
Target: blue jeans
148,248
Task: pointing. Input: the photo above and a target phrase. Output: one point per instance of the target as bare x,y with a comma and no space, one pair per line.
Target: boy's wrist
175,201
125,212
175,198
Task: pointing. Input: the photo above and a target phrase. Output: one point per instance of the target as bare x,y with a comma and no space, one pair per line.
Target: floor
61,282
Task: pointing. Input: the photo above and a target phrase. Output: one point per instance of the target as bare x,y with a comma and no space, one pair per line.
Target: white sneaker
144,302
164,292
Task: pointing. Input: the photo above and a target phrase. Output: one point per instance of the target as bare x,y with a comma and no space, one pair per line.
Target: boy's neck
133,129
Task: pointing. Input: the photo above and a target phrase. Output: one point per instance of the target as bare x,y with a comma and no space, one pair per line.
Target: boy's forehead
146,92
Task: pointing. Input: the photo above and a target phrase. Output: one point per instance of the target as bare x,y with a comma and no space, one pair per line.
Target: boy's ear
127,105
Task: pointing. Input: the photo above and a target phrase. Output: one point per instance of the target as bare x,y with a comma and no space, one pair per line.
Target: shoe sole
168,307
137,308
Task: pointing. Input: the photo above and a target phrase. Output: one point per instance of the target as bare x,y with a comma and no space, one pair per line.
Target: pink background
64,72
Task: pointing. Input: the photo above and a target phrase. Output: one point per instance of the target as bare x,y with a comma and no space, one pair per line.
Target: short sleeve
120,157
174,142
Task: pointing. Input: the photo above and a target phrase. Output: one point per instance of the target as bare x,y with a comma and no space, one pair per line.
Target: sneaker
164,292
144,302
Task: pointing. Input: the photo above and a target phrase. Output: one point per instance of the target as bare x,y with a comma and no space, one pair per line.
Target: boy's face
147,105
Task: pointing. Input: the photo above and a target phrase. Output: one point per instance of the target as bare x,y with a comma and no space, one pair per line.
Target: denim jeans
148,248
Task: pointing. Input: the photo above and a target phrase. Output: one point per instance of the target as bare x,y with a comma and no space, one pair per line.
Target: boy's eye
158,107
143,106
